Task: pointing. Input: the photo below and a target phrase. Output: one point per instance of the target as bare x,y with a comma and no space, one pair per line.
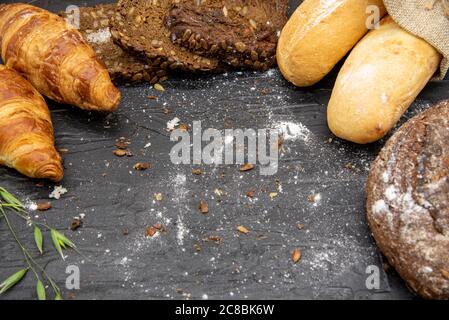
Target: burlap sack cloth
428,19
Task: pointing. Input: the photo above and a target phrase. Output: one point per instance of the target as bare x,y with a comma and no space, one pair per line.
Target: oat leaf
57,245
40,290
65,241
12,280
10,199
38,239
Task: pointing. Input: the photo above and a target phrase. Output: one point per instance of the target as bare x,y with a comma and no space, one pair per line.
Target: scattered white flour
292,131
380,207
173,123
182,231
31,206
58,192
316,199
179,185
99,37
180,192
391,192
385,176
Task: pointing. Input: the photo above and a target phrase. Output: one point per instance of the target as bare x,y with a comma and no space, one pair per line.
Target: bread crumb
58,192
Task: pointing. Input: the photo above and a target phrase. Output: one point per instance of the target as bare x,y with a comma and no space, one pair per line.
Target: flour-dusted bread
380,79
319,34
408,202
121,65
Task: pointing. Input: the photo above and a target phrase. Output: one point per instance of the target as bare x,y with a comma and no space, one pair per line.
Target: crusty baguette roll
378,82
26,131
55,58
319,34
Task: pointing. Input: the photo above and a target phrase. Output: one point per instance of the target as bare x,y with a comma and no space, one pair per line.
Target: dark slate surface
336,243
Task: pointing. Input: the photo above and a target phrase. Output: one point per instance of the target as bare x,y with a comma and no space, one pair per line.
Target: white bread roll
319,34
380,79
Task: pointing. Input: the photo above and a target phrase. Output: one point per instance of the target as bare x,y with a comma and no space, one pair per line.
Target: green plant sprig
60,242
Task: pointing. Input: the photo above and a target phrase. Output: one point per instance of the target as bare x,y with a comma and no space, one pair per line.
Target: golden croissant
26,131
55,58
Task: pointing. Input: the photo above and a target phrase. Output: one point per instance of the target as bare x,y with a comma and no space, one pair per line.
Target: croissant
55,58
26,131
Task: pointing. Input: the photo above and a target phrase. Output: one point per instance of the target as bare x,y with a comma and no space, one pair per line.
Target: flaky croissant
26,131
55,58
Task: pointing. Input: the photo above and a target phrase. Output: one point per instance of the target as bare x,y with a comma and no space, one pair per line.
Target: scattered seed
197,172
122,143
157,226
197,247
184,127
44,206
246,167
300,226
215,239
152,97
159,87
273,195
445,274
125,232
150,231
242,229
314,198
219,194
204,208
141,166
250,194
120,152
158,196
76,223
296,256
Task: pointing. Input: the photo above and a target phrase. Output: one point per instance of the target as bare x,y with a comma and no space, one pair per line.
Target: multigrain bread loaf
55,58
408,202
380,79
123,66
139,26
319,34
26,130
243,33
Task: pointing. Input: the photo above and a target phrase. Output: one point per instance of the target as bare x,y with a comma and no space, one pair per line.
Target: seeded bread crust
122,66
243,33
408,202
139,26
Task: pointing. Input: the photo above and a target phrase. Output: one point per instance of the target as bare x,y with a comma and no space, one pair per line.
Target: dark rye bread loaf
139,27
243,33
94,25
408,202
